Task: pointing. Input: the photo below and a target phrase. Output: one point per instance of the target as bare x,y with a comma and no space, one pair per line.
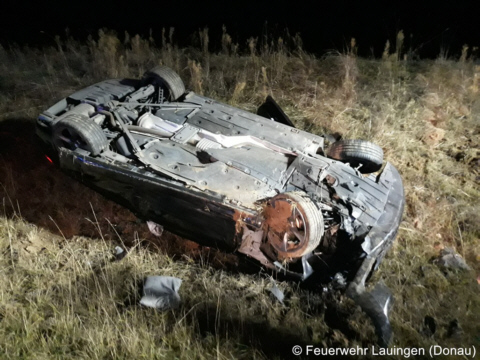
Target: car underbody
234,180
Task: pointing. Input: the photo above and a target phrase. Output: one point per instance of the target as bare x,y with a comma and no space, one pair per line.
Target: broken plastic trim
375,303
271,110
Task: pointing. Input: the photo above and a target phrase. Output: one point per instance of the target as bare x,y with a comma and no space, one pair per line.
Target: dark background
429,26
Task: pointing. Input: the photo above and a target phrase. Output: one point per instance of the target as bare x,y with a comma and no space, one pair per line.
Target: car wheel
166,79
294,224
358,152
77,131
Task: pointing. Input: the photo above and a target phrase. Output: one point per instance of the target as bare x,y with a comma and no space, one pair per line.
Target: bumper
383,233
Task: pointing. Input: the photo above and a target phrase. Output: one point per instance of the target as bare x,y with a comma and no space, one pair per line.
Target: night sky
324,25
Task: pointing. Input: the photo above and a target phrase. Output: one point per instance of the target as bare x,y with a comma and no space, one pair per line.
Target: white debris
155,228
277,293
119,253
161,292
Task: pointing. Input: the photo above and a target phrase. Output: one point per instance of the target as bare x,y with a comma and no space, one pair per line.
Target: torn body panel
181,210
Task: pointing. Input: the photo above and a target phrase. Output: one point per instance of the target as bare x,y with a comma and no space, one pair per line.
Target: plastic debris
120,253
429,326
155,228
339,281
161,292
454,330
376,304
277,293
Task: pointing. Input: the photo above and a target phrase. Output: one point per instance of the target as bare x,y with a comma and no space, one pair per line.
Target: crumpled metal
161,292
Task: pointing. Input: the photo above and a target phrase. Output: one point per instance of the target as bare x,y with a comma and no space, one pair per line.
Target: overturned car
304,205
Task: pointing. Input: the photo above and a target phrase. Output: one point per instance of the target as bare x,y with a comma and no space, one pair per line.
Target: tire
281,216
358,152
168,80
78,131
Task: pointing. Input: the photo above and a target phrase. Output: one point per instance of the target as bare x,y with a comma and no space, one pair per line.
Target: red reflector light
50,160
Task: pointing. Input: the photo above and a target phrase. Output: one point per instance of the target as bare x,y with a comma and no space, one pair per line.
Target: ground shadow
273,339
35,189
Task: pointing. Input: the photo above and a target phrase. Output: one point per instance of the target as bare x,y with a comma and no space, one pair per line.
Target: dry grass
62,294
